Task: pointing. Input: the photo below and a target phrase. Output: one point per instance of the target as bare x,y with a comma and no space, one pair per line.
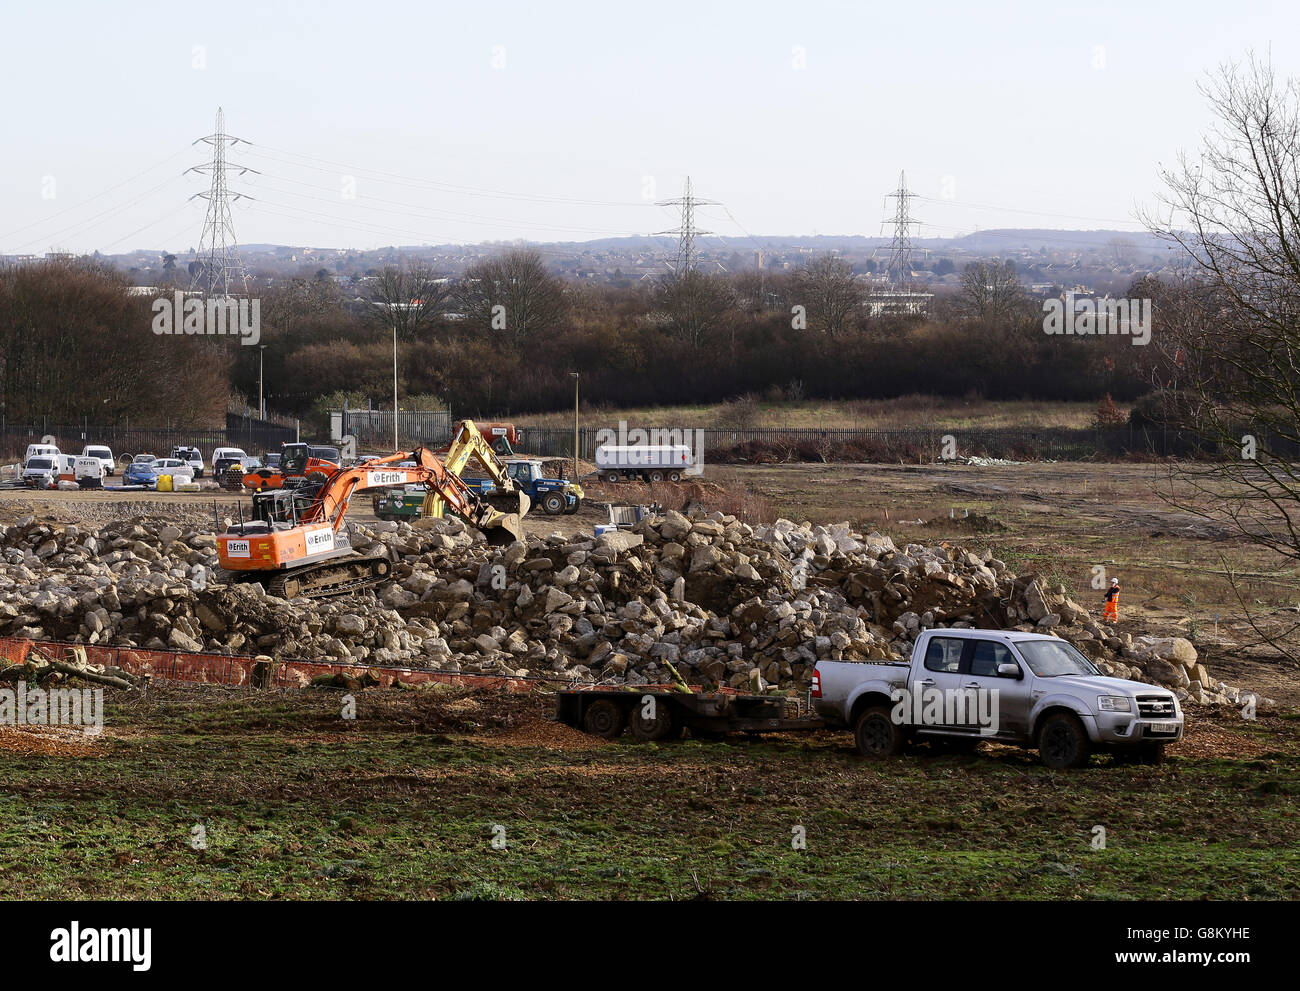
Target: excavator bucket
506,528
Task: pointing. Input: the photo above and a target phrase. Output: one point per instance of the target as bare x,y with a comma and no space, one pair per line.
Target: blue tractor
554,495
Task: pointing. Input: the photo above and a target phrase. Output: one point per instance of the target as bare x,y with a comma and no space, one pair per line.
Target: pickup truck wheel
553,503
662,727
877,735
1063,742
605,719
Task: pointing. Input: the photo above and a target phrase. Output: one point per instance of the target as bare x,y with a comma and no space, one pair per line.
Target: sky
382,123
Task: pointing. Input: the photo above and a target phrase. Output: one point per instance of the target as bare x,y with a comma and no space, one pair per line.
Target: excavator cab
284,505
293,460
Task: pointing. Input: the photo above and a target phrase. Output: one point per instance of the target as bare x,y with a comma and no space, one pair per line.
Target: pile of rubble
709,597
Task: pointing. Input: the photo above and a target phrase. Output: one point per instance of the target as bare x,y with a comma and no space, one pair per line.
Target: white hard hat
1114,581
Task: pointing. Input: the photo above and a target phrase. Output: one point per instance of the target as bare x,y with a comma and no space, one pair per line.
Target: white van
224,457
104,454
40,451
89,472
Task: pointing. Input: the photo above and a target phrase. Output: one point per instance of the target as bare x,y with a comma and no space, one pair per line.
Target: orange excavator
296,543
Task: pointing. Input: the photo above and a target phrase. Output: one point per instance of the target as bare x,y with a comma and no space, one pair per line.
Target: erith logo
77,945
374,478
320,540
237,548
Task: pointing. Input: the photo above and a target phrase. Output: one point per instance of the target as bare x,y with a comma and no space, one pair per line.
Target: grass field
405,802
881,414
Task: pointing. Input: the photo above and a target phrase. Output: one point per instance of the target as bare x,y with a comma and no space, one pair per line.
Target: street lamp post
575,425
261,395
395,448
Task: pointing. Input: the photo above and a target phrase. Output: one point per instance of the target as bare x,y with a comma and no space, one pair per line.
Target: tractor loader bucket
506,528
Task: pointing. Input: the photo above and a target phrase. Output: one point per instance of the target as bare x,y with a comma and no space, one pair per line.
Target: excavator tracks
337,577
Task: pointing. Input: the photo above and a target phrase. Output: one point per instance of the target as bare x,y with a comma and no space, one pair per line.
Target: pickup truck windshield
1050,659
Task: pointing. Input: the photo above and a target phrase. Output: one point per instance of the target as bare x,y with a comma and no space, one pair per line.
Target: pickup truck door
940,671
980,672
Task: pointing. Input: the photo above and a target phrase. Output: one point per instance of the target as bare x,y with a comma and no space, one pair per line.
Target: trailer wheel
656,476
877,735
612,477
605,719
674,476
1063,742
553,503
664,725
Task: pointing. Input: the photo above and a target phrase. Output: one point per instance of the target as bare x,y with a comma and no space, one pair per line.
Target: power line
91,199
436,184
1036,213
408,209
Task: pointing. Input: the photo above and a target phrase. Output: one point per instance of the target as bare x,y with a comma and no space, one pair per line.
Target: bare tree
991,290
512,297
832,295
694,305
1234,209
409,297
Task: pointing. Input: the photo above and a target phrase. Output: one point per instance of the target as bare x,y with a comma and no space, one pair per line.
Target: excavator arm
470,444
297,545
332,501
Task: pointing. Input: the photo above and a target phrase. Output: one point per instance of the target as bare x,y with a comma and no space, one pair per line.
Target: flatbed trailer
662,712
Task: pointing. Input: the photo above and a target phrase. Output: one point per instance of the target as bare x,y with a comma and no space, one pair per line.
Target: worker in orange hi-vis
1111,615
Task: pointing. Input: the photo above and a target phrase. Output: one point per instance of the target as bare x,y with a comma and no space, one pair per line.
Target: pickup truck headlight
1114,703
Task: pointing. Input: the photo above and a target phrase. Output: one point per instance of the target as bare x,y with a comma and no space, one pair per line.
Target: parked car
140,473
40,451
41,472
178,469
192,457
103,454
1039,690
144,459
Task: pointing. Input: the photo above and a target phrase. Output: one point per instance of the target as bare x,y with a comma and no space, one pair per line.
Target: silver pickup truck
962,686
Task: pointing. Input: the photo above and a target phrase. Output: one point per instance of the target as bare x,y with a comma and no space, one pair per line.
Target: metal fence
722,445
373,429
245,432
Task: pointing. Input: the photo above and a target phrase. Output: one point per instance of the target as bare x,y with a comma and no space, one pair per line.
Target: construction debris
707,599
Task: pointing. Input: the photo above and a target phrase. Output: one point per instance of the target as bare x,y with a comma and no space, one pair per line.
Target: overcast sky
401,123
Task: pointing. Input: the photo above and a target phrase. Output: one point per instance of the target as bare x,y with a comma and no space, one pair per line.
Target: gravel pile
716,600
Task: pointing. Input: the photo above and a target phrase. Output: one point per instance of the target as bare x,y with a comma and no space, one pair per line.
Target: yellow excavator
296,544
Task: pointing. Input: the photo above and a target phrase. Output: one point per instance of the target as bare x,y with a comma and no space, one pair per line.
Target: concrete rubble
721,601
